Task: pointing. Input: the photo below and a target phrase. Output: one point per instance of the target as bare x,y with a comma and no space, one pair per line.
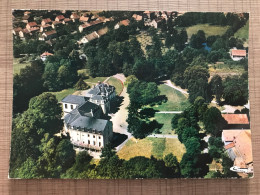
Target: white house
238,54
83,117
152,23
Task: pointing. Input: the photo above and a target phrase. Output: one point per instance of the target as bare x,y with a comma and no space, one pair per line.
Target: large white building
83,117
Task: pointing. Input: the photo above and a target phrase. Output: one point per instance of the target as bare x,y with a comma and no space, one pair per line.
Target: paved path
163,136
106,80
170,112
169,83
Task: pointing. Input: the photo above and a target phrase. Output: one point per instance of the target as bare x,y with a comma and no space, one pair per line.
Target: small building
31,25
45,55
48,35
46,21
238,145
16,31
83,26
46,27
122,22
66,21
59,18
74,17
102,31
55,24
89,37
83,19
137,17
238,54
236,121
152,23
72,102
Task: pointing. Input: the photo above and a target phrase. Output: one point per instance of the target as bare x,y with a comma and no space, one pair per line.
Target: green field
18,66
158,147
242,33
62,94
116,83
90,80
176,100
164,119
208,29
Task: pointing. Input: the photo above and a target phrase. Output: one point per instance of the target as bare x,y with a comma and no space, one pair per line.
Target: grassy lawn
242,33
176,100
208,29
158,147
62,94
116,83
18,66
225,70
135,147
174,146
144,40
164,119
95,80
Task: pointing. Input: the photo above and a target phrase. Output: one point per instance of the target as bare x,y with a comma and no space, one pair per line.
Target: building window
93,136
88,142
99,137
66,106
99,144
71,106
94,143
88,135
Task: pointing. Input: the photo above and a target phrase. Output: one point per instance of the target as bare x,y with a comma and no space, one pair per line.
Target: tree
81,85
28,170
171,161
216,87
235,90
213,121
27,84
198,39
215,147
196,81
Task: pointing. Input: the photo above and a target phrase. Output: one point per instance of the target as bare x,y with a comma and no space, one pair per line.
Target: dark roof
87,107
74,99
89,123
97,97
102,86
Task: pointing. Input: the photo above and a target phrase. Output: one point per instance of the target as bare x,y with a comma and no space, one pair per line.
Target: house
30,25
238,54
48,35
89,37
25,18
45,55
17,30
45,27
46,21
56,24
23,33
236,121
238,145
137,17
83,19
102,31
83,26
34,29
83,118
152,23
74,17
26,13
66,21
122,22
59,18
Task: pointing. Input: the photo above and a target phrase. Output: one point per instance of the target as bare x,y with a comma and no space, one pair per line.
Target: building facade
84,117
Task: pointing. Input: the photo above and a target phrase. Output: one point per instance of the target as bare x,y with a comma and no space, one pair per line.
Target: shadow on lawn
118,139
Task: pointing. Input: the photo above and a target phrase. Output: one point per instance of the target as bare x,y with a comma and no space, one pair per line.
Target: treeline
35,151
195,161
54,74
232,19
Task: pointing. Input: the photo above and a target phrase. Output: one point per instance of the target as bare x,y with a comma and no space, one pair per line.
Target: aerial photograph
130,94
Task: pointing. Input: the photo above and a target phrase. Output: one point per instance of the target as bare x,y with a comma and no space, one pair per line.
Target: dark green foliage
216,87
235,90
198,39
216,147
27,85
220,43
81,85
196,81
214,122
171,161
217,55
